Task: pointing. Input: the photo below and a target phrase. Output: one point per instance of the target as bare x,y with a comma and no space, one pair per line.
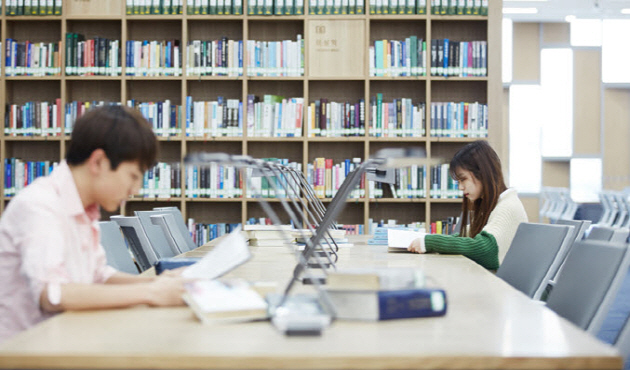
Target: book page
402,238
226,256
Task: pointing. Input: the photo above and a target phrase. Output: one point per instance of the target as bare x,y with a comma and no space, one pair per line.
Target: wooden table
489,325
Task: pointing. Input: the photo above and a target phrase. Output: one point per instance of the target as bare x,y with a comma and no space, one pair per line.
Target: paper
397,238
214,296
231,252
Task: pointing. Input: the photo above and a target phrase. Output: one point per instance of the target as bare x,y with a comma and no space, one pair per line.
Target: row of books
326,177
443,186
409,183
452,119
166,118
32,58
215,7
19,173
459,7
222,57
334,119
157,7
223,117
213,181
378,229
260,186
398,7
162,181
76,109
459,58
276,58
274,116
395,58
202,233
400,118
34,7
153,58
33,119
275,7
336,7
93,57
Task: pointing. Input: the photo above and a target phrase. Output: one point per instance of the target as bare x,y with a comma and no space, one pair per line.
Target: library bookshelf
338,74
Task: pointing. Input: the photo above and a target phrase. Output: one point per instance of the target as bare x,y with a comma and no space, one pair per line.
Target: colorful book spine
166,118
153,58
276,58
19,173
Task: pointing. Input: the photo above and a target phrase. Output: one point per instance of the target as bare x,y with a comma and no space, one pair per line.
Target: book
373,278
268,242
173,263
388,304
230,253
213,301
399,240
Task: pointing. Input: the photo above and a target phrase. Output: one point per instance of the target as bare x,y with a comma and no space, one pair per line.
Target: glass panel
556,77
586,179
615,51
586,32
525,145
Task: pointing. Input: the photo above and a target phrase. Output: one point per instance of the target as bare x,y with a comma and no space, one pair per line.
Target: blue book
173,263
445,58
375,305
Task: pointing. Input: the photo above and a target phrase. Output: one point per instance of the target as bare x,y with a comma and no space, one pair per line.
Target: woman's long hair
483,162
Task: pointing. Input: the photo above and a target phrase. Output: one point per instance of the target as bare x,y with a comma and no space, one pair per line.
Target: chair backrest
137,241
534,256
180,224
155,235
116,251
580,227
172,235
589,282
601,233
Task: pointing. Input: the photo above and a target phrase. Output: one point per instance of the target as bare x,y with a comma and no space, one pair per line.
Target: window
615,51
586,32
586,179
525,135
556,106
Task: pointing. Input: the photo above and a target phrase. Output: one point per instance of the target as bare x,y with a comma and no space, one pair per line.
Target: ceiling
557,10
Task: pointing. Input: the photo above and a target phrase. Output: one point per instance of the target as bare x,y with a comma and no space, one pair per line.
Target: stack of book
33,119
269,235
32,58
222,57
223,117
400,118
395,58
383,294
332,119
146,7
276,58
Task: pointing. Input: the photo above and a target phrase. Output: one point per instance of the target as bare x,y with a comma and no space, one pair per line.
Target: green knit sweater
483,248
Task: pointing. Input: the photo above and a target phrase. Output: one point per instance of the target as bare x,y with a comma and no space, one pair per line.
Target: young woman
491,212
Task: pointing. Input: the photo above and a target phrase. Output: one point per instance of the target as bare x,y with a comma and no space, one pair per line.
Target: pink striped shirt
46,236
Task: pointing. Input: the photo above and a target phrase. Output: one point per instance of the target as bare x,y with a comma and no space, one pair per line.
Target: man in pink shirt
50,256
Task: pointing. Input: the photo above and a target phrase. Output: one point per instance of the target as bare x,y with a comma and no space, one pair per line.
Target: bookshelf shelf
336,68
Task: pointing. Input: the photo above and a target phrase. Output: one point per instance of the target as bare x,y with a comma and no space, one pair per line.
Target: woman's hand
417,246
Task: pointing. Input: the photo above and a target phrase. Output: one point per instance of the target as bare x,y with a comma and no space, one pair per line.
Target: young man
50,256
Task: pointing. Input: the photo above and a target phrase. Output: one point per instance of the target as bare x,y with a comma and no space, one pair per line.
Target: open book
399,240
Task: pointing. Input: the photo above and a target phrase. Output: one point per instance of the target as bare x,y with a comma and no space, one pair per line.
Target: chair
180,224
116,251
616,327
534,256
137,240
580,227
174,238
156,236
589,282
610,234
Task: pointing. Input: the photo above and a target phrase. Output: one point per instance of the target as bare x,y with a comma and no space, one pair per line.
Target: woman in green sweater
491,212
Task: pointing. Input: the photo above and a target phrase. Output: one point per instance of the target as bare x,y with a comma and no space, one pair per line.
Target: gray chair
116,251
180,224
174,238
608,234
137,240
156,236
588,284
580,227
615,329
534,256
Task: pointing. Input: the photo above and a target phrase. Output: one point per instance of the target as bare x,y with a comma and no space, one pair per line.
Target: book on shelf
32,58
153,58
400,118
274,116
375,305
165,117
451,119
33,119
33,7
395,58
97,56
162,181
373,278
214,301
223,57
326,178
213,181
442,185
18,173
202,233
459,58
276,58
223,117
335,119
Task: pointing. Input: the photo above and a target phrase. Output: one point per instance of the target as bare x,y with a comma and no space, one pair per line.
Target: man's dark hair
123,133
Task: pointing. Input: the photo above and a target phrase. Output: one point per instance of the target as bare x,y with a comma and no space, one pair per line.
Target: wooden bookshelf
336,67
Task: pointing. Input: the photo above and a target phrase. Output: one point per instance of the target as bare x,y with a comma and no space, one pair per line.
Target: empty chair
534,256
617,331
156,236
580,227
180,224
137,240
608,234
116,251
173,236
623,214
588,284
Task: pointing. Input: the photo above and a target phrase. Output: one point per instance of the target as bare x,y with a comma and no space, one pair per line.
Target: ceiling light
520,10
